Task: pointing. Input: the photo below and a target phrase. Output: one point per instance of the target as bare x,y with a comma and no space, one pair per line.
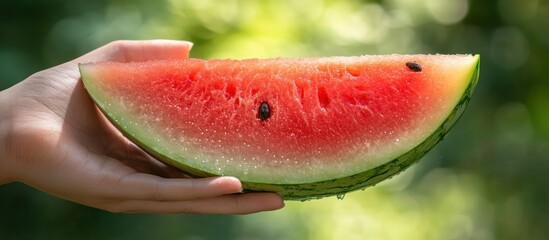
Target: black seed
414,66
264,111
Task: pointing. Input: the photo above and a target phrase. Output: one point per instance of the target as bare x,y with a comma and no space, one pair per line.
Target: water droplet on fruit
414,66
340,196
264,111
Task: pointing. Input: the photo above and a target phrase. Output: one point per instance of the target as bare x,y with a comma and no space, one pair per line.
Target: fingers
226,204
154,49
142,186
220,195
138,51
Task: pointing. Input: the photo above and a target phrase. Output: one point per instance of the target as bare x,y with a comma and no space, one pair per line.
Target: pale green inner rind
143,136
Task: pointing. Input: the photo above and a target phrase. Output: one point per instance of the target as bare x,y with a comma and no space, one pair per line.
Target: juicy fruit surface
284,122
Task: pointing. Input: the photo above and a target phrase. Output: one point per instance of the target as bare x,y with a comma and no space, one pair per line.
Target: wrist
6,116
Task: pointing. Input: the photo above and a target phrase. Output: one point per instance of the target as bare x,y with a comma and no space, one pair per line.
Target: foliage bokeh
487,180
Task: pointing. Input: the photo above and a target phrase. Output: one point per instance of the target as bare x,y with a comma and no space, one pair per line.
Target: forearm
6,116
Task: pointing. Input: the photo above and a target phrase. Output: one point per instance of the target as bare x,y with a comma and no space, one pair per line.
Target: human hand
53,138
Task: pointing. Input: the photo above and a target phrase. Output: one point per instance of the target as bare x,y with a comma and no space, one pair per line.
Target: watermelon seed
264,111
414,66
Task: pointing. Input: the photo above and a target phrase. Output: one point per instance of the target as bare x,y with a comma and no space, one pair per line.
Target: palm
75,153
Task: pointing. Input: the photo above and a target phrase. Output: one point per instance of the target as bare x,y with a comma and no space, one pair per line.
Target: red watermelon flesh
328,118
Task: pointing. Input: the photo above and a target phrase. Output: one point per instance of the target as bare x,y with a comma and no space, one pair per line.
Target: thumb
138,51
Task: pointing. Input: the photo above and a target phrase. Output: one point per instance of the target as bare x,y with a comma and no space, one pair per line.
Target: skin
53,138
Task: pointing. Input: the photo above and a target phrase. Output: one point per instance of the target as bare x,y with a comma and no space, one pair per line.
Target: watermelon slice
303,127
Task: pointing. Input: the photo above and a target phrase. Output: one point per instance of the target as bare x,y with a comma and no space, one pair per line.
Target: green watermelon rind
339,186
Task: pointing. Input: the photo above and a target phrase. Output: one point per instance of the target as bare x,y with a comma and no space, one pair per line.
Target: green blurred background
489,178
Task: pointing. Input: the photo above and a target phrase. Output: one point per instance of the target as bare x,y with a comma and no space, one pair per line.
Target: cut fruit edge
320,189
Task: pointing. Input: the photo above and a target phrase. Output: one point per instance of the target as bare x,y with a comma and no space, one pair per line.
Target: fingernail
241,189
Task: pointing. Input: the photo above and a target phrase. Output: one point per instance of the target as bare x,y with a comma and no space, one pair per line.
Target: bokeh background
489,178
